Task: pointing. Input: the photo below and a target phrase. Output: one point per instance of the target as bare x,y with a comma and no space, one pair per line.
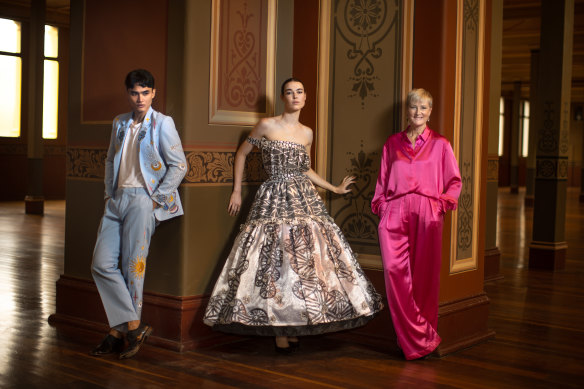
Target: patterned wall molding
468,133
204,167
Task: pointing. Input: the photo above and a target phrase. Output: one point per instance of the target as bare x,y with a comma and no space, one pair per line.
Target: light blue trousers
119,257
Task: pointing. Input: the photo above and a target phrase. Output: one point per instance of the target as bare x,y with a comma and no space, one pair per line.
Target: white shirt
130,175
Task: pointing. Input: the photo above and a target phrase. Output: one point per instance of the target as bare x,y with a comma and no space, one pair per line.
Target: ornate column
514,149
34,200
548,248
492,252
532,147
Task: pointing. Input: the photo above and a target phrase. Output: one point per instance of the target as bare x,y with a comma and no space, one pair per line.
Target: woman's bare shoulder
264,126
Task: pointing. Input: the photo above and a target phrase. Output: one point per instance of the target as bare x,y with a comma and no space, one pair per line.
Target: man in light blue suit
145,164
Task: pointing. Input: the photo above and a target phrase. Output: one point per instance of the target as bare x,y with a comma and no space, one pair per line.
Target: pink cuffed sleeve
451,179
380,188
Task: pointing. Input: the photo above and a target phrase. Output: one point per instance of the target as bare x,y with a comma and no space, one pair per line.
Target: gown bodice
287,194
282,159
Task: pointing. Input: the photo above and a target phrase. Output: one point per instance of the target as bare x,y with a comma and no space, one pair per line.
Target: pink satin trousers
410,237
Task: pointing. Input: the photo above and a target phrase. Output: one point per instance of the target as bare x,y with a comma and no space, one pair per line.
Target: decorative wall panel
242,61
365,89
467,133
553,145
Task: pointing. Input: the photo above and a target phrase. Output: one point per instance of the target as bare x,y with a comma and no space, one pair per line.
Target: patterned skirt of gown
290,271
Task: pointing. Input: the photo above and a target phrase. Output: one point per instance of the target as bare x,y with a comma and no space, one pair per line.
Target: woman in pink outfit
418,182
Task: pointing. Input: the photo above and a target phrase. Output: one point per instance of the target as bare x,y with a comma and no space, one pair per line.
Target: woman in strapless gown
291,272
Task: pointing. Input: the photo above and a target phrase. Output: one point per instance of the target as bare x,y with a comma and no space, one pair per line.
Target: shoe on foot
284,350
109,345
135,339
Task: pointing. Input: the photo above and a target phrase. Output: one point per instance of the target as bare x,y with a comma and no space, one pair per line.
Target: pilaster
34,200
548,248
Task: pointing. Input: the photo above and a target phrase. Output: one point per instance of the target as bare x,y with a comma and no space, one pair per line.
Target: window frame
19,55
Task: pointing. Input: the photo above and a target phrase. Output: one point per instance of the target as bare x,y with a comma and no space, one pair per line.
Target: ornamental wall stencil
471,14
546,168
565,130
242,65
548,143
216,167
363,24
355,218
465,209
563,168
493,169
85,163
551,168
204,167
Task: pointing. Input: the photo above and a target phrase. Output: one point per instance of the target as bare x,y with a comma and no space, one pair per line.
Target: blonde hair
417,95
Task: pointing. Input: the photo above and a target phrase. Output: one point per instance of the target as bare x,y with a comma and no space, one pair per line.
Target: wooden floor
538,318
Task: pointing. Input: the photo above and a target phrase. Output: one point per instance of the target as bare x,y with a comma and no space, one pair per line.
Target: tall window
501,125
51,83
10,78
524,128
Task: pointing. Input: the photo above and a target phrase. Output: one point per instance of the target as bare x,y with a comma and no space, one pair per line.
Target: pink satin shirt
429,169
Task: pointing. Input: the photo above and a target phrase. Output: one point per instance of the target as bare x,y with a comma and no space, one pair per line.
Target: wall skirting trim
463,323
177,320
178,325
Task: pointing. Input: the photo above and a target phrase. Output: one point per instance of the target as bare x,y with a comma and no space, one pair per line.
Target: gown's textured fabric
291,270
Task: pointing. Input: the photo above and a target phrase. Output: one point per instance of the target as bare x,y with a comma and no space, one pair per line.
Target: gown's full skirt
290,271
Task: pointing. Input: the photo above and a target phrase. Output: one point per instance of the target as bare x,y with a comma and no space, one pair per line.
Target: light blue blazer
162,160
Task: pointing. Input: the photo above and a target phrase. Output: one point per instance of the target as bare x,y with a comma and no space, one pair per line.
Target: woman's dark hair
140,77
287,81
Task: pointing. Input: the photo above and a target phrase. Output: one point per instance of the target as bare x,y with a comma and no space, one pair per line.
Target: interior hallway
538,318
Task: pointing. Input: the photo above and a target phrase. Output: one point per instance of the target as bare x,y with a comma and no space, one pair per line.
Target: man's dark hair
139,77
287,81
